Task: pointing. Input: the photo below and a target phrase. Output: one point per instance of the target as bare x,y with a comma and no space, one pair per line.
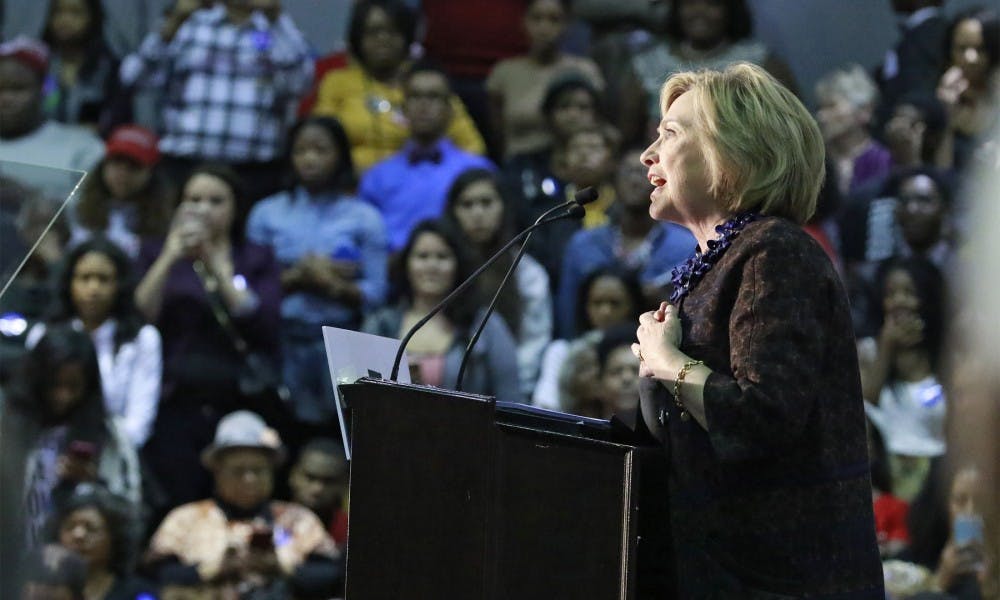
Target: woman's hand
951,87
659,336
900,330
72,468
186,238
957,561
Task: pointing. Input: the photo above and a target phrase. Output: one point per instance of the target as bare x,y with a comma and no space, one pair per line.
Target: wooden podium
456,496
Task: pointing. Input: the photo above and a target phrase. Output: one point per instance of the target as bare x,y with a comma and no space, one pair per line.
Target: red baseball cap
28,51
134,142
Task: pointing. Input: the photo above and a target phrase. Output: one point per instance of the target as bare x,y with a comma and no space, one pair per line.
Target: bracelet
677,386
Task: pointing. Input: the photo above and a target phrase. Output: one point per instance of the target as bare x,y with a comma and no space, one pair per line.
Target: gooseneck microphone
580,198
574,211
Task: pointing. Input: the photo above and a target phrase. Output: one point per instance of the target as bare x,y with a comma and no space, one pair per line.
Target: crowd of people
167,414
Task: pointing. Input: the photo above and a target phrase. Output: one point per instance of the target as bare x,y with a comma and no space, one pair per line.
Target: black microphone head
585,196
576,211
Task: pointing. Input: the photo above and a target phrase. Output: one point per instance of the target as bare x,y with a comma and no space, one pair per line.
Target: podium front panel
564,517
420,491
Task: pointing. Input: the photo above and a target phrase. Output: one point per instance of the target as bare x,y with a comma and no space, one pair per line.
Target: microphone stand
543,220
584,196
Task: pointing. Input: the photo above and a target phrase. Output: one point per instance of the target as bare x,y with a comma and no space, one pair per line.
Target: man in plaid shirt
229,75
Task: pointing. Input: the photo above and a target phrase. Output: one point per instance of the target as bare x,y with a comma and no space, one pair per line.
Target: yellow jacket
371,113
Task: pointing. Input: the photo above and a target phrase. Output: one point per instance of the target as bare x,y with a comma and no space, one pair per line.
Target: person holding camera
240,543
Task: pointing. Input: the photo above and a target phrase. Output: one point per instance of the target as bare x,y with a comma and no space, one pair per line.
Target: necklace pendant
685,416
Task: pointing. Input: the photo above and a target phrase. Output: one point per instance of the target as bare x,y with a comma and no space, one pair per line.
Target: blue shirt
665,247
294,223
407,193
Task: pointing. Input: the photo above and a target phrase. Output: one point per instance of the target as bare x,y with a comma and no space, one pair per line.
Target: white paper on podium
351,355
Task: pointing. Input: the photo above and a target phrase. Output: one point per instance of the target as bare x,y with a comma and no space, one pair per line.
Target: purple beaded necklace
687,275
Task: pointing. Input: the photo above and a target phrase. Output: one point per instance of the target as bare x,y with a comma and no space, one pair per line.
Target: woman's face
968,51
431,266
94,287
704,22
86,532
211,201
70,20
314,156
479,211
382,45
545,21
965,490
68,384
837,117
608,303
621,380
900,301
920,210
124,177
244,477
678,168
572,111
588,158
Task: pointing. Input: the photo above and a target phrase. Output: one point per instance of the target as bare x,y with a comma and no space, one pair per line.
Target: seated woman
479,212
367,95
100,527
332,250
241,542
847,99
968,88
431,265
126,198
54,434
516,85
215,297
570,372
95,293
900,370
619,373
83,86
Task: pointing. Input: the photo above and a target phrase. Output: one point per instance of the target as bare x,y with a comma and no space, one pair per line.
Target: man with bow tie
412,184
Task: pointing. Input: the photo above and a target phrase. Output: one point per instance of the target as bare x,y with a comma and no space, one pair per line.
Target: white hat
243,429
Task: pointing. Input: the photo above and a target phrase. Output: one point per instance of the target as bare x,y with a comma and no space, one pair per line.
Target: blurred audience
319,482
479,211
902,369
969,87
240,542
95,293
56,433
234,107
83,86
26,134
412,184
847,98
331,247
619,372
368,95
101,528
215,296
127,197
570,373
54,573
516,86
431,265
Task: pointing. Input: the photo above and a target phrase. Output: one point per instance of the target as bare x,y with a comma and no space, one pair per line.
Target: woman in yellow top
367,95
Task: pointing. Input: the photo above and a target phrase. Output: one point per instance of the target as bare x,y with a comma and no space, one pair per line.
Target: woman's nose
648,156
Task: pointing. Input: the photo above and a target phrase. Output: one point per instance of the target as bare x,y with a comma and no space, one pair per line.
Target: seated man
319,482
241,539
412,185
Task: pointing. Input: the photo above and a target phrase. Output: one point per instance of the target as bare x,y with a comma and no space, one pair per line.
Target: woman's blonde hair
763,148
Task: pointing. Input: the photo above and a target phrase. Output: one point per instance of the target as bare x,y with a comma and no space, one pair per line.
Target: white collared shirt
130,376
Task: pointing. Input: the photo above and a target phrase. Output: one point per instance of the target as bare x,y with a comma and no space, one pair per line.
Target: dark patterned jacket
775,499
